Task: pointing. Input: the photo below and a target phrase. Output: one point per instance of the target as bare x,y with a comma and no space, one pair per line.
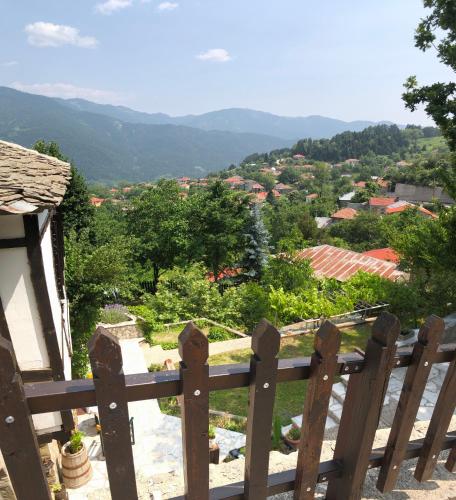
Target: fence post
18,441
451,461
414,384
438,426
109,380
323,369
263,376
362,408
194,372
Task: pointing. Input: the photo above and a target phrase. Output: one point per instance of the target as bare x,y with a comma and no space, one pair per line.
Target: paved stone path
158,448
156,355
393,393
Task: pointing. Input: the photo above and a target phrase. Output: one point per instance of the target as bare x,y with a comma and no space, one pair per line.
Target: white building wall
21,312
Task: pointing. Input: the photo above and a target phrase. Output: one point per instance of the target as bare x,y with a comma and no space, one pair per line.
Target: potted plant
214,450
76,466
293,436
59,491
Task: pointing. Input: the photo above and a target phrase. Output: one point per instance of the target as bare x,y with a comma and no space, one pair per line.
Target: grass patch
290,395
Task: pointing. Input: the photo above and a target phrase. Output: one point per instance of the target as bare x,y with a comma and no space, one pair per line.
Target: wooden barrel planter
76,467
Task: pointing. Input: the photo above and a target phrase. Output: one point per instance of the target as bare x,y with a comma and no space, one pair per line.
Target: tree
257,245
75,207
217,218
158,221
290,175
438,31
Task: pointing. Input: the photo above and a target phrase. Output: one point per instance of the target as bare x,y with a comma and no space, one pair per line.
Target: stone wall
124,331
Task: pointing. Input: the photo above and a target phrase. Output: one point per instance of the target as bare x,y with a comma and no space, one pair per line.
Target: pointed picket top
386,329
104,352
8,363
193,346
265,340
327,339
431,332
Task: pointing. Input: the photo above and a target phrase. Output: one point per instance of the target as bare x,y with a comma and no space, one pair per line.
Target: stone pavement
156,355
158,448
393,393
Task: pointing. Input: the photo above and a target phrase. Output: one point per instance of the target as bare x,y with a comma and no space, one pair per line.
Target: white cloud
111,6
215,55
9,64
69,91
42,34
167,6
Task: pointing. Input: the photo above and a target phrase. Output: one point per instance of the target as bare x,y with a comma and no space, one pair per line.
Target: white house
33,303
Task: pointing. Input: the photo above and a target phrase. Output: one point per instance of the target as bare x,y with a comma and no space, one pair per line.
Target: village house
283,188
311,197
379,204
422,194
341,264
344,214
33,303
97,202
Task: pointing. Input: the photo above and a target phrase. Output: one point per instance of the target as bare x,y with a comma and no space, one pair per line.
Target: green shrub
217,334
112,314
276,433
147,320
168,346
155,367
211,432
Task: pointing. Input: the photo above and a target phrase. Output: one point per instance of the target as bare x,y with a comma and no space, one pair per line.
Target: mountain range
110,143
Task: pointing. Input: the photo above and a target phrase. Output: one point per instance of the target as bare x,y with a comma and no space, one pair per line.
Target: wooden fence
369,373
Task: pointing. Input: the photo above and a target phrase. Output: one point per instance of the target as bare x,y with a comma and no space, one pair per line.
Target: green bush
217,334
147,320
294,433
155,367
113,314
168,346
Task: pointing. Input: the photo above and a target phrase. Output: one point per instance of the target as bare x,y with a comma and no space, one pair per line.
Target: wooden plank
41,375
194,371
18,441
324,366
4,329
281,482
440,421
55,396
409,402
107,368
38,278
263,375
362,408
450,464
12,243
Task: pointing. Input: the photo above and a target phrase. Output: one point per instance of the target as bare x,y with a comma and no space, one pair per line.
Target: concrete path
156,355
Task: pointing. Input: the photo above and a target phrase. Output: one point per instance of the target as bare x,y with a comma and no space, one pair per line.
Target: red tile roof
345,213
312,196
332,262
381,202
384,254
401,206
360,184
96,202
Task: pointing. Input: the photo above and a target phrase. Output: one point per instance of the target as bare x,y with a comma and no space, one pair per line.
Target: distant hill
109,143
232,120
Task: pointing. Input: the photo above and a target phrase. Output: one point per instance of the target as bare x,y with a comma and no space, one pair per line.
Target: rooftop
30,181
332,262
345,213
381,202
384,254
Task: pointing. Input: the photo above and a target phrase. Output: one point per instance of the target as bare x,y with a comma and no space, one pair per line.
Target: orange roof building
97,202
344,214
341,264
387,254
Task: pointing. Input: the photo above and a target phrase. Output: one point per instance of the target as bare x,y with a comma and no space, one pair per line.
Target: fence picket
323,370
106,361
451,460
263,378
362,408
438,426
18,442
409,402
194,372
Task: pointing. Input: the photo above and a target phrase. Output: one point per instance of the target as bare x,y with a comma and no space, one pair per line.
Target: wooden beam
41,375
55,396
38,278
12,243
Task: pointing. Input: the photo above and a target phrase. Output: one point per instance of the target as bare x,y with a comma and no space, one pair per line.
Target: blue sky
346,60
